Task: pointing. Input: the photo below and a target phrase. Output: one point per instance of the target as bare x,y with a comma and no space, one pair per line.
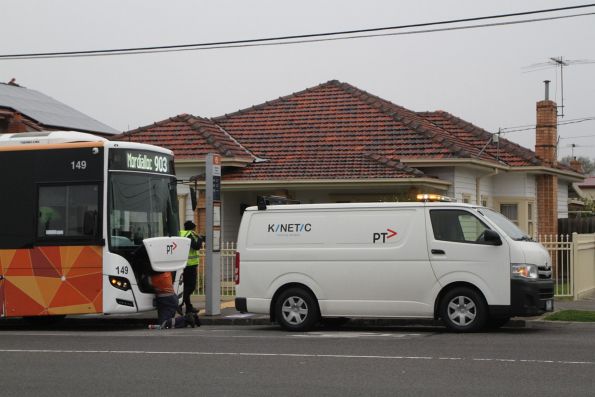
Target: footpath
230,316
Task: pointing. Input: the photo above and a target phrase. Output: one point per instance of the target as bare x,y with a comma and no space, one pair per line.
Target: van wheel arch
284,288
473,295
449,287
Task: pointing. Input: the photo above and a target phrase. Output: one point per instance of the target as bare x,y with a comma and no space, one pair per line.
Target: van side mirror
491,237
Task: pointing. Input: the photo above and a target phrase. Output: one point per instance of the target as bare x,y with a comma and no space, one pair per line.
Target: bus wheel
463,310
296,310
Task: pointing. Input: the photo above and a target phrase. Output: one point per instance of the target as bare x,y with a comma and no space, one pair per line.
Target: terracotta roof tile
504,151
189,137
331,131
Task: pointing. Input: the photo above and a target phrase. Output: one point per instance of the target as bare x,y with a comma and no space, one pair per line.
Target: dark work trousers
166,310
190,276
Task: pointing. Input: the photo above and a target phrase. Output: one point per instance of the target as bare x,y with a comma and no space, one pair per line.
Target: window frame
94,239
460,211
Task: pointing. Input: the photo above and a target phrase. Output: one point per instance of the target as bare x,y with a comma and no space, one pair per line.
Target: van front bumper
531,297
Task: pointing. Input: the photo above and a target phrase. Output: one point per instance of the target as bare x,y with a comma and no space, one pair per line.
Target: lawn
572,315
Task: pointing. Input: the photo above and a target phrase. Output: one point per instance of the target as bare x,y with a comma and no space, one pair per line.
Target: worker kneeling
167,304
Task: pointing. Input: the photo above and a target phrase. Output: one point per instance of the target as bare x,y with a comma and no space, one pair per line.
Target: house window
511,211
484,201
466,198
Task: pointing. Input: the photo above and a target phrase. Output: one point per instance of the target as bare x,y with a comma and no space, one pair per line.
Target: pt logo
383,236
170,248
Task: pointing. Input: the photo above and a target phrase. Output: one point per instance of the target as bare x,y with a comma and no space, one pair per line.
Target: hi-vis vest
193,254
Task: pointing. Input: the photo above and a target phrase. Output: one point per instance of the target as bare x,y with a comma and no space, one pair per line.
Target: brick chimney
576,166
546,134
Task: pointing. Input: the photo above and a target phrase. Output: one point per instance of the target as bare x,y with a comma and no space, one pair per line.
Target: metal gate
228,258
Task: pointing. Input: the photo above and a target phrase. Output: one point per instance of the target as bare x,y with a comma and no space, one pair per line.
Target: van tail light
236,269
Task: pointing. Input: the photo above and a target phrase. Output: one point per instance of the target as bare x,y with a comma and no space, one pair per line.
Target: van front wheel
296,310
463,310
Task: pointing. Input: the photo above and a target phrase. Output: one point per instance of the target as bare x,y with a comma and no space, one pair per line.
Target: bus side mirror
491,237
90,223
193,198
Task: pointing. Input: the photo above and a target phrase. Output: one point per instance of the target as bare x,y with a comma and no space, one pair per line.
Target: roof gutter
550,171
536,169
332,183
240,162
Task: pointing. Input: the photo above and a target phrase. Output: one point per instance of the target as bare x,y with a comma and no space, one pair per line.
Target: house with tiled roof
587,188
337,143
23,110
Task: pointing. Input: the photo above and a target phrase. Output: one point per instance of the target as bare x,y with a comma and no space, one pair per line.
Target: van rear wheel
463,310
296,310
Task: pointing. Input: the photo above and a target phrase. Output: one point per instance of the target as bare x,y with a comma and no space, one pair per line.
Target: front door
458,253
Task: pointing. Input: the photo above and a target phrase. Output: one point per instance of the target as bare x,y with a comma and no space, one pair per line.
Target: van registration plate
549,305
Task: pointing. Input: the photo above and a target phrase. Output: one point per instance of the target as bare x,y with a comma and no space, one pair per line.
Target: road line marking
301,355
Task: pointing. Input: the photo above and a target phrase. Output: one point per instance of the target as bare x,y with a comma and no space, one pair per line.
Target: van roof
303,207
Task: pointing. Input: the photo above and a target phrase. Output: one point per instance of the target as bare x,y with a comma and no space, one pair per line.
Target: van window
457,225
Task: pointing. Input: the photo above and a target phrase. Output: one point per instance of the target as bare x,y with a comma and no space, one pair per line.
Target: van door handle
438,252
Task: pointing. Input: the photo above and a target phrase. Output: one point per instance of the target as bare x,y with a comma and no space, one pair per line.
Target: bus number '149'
122,269
78,165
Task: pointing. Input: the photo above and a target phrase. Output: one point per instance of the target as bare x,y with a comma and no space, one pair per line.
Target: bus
84,221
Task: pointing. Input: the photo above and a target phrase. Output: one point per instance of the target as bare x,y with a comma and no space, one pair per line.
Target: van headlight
524,271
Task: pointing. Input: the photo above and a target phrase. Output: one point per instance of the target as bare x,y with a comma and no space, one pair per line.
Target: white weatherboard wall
445,174
562,199
465,184
231,215
184,173
514,185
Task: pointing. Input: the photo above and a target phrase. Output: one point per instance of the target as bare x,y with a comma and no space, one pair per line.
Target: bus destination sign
141,160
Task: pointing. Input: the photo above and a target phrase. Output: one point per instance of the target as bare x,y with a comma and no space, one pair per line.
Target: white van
468,265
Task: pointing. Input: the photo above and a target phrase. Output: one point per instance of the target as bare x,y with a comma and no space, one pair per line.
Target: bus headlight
525,271
119,283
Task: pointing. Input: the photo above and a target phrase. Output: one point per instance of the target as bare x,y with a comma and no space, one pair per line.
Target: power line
529,127
579,137
305,38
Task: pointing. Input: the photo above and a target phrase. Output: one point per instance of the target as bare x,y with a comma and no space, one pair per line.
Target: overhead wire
309,38
528,127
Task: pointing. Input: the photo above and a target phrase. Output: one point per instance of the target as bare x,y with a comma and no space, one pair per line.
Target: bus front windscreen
141,206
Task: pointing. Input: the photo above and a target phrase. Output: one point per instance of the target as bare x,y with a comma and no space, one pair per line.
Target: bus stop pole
213,243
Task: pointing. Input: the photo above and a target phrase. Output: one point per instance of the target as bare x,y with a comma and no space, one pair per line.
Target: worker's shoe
190,320
168,324
196,319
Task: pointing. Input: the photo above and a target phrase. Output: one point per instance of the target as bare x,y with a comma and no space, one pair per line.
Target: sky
481,75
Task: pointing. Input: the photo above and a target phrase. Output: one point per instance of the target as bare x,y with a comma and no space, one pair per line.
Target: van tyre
463,310
296,310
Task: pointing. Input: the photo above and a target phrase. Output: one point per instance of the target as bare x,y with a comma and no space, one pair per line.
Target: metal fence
560,249
228,258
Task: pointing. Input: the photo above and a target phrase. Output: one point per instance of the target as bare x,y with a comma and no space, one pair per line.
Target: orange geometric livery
51,281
